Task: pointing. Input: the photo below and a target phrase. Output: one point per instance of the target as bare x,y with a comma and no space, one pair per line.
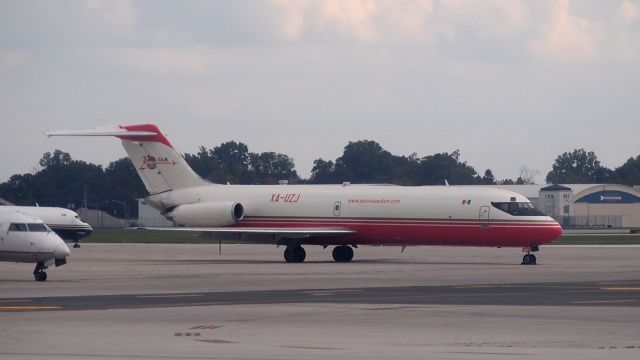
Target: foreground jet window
517,208
18,227
37,227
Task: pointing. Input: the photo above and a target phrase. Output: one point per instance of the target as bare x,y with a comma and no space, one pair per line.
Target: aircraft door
336,208
484,217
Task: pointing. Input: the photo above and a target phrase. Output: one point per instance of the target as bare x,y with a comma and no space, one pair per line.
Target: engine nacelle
207,214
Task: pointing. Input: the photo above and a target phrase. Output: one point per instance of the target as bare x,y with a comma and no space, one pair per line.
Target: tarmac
147,301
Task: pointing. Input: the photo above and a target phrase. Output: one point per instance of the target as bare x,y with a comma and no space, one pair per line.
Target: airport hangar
572,205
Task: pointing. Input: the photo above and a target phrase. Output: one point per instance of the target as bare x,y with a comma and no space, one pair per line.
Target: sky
510,83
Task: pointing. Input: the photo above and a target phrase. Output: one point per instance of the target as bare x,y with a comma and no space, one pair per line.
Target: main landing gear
39,272
528,258
76,244
342,253
294,254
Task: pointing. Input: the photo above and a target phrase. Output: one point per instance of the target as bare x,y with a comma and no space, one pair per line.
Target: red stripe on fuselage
423,232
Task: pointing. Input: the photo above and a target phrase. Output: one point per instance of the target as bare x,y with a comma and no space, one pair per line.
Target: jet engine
207,214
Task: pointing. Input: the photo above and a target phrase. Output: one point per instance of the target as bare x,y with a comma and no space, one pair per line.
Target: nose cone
62,250
87,231
554,232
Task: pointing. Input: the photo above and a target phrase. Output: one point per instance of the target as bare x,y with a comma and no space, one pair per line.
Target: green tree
18,189
405,169
579,167
232,162
58,158
232,159
488,178
203,162
629,172
323,172
270,167
123,187
435,169
364,161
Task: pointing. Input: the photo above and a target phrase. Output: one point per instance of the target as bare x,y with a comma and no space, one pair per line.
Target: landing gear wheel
294,254
529,259
288,255
38,272
348,253
342,253
40,276
299,254
76,245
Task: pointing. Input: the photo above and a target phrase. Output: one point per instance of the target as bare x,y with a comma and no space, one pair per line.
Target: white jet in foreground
342,215
64,222
25,238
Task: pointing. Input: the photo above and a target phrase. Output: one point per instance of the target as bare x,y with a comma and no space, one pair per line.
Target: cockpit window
517,208
18,227
37,227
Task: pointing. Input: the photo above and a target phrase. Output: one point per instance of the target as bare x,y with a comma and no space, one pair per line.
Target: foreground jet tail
159,165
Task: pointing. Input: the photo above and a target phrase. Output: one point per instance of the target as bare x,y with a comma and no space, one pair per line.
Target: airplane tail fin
159,165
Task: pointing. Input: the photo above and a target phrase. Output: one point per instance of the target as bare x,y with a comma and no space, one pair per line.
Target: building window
566,209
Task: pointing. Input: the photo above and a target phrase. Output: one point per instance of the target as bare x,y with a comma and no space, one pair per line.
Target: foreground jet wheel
529,259
40,276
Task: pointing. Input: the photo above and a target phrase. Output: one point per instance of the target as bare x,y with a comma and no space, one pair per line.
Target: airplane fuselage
64,222
379,214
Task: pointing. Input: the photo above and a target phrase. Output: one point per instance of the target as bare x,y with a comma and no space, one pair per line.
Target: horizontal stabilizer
106,131
158,164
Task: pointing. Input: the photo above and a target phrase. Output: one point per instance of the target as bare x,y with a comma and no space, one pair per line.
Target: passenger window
18,227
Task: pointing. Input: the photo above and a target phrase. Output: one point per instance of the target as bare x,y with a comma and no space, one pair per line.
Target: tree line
62,181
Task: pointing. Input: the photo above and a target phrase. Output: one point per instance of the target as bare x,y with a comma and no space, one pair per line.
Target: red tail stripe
145,127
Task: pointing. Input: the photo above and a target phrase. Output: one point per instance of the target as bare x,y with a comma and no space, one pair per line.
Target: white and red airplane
343,215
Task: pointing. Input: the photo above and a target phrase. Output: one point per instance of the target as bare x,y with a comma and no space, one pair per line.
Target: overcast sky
510,83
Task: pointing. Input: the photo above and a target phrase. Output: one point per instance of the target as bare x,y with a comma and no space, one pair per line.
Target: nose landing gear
39,273
528,258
